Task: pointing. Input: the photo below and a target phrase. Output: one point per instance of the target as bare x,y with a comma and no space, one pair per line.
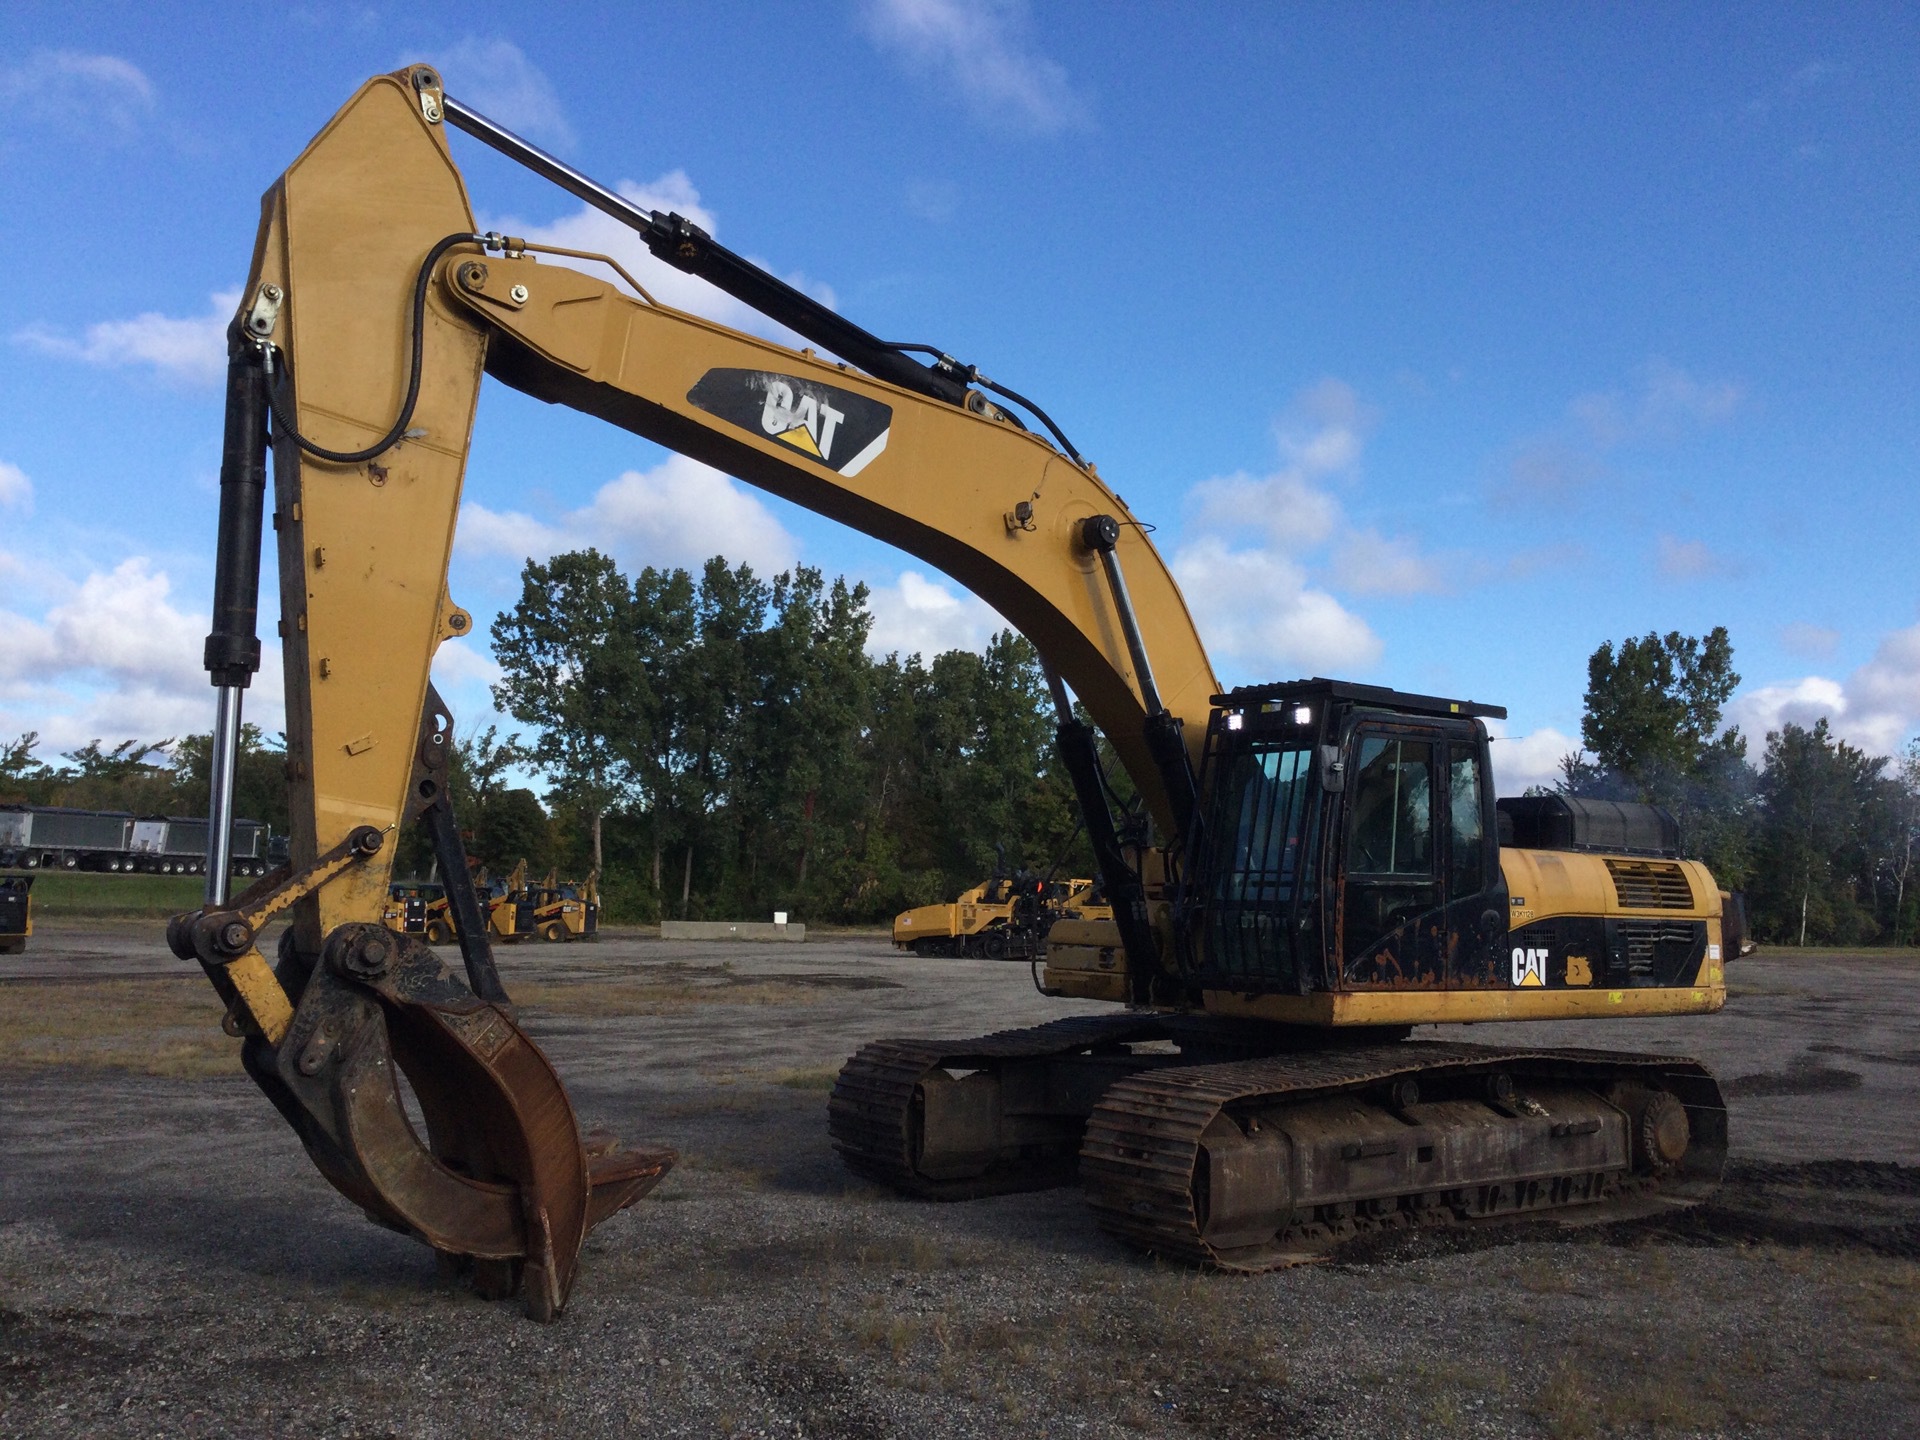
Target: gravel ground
170,1264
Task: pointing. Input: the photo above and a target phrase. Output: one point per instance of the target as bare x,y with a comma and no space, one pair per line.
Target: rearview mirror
1333,770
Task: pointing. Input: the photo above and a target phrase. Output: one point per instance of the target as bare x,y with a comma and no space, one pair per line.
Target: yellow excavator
1002,918
1318,868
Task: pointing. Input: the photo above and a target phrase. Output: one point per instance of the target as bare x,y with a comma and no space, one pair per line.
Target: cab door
1476,909
1393,911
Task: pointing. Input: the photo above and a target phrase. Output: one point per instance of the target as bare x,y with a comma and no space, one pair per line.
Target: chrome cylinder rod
226,756
1062,701
680,243
544,165
1101,534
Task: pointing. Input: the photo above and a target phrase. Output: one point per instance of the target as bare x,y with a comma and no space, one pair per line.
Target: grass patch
1885,1295
149,1027
819,1077
86,895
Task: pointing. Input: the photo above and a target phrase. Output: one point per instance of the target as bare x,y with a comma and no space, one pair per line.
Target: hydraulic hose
285,426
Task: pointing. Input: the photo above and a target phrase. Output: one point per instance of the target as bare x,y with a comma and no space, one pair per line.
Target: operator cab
1349,841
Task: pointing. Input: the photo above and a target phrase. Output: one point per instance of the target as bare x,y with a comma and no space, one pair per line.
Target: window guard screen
1261,815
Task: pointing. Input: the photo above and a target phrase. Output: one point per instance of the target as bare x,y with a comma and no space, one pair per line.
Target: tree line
722,744
1820,835
718,744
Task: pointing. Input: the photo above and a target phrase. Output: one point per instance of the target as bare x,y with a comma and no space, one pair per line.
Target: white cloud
1665,402
1883,695
1546,470
1320,436
678,513
191,351
114,657
1295,514
918,616
1369,563
77,91
465,662
1257,607
982,51
16,490
1241,562
590,230
1686,559
122,622
1801,702
496,78
1811,642
1877,707
1520,761
464,672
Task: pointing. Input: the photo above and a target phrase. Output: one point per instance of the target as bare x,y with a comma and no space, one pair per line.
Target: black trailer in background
50,837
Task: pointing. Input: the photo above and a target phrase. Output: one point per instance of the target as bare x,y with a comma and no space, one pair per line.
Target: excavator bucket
488,1164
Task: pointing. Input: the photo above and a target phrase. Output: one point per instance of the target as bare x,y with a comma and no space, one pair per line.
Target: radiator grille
1650,885
1644,944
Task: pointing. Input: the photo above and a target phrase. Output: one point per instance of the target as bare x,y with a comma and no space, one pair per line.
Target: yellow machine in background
553,909
419,908
16,913
998,919
1318,866
501,899
557,910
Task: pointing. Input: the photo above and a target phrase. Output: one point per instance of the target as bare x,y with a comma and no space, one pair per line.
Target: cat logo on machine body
842,430
1529,966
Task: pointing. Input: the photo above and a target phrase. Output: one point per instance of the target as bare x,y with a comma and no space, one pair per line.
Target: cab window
1392,808
1467,821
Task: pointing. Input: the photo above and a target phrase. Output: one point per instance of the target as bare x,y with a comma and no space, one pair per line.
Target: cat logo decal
839,429
1529,967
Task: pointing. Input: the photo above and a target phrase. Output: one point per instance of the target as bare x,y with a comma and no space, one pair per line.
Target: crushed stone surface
171,1264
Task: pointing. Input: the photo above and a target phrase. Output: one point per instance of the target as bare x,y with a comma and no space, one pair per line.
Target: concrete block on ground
731,930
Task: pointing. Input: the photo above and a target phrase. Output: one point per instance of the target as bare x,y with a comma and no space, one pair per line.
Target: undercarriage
1247,1147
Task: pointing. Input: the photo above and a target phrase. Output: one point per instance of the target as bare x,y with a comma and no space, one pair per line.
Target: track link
1142,1161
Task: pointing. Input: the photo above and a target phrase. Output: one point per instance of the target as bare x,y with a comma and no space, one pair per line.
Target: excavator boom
372,309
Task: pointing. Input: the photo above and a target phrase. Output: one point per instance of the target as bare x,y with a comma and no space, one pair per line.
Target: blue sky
1441,343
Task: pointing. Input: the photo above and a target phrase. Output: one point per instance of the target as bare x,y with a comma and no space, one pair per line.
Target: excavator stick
338,335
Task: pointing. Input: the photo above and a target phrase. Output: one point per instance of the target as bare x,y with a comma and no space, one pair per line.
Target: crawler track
1142,1156
872,1113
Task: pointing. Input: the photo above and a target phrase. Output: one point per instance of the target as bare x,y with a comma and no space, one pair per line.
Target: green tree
500,823
512,827
1903,843
738,726
259,778
1652,722
570,670
22,777
967,772
1824,814
799,783
663,626
1653,707
713,683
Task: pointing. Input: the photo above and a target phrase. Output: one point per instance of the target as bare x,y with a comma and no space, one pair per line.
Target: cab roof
1377,697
